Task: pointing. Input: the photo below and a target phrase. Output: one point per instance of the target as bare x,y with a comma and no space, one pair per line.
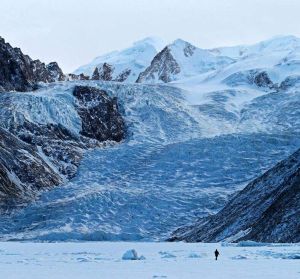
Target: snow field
162,260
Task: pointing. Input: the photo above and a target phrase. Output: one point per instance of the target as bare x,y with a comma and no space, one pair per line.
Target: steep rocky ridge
18,72
267,210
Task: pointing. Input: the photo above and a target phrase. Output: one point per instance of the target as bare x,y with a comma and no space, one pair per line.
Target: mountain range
152,142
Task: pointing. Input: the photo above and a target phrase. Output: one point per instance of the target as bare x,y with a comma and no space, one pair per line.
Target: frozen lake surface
162,260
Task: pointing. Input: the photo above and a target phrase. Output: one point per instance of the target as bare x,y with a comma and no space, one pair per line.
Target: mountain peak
127,63
180,43
157,42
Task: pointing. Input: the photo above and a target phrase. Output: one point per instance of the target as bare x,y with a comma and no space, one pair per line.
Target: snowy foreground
162,260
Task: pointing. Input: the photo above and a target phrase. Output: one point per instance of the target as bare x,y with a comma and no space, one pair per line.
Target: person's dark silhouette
217,254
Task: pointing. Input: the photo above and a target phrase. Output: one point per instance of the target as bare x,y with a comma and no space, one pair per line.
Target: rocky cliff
18,72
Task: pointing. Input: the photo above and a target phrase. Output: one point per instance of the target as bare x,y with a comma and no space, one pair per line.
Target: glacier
180,161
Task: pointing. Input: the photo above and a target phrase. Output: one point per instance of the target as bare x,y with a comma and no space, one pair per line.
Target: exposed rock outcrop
262,79
103,72
267,210
255,77
18,72
96,74
106,72
55,72
71,77
100,116
162,66
22,169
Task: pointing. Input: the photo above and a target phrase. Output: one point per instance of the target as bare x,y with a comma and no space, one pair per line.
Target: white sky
73,32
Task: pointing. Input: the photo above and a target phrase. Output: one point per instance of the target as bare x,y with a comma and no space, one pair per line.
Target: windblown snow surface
160,260
181,160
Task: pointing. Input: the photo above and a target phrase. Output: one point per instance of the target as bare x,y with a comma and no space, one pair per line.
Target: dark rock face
189,50
267,210
106,72
96,74
123,75
56,142
55,72
258,78
22,169
83,77
18,72
163,66
35,156
100,115
262,79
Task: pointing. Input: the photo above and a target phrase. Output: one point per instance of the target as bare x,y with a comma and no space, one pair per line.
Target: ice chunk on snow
249,243
132,255
166,255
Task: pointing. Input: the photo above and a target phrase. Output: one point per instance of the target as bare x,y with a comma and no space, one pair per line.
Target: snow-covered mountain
124,65
181,60
276,44
279,57
188,144
148,62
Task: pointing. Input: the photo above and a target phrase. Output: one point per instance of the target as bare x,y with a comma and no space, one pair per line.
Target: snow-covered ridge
135,59
181,60
147,62
275,44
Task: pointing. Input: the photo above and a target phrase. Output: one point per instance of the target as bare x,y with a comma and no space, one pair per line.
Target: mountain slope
125,65
278,57
275,44
267,210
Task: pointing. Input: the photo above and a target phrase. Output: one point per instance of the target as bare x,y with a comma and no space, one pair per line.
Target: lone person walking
217,254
